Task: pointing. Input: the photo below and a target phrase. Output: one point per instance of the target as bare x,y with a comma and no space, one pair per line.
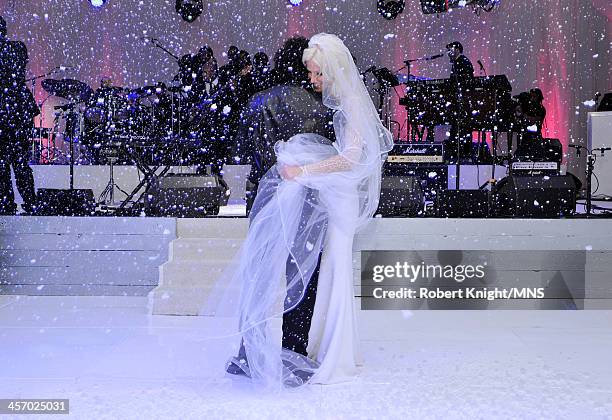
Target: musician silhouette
17,111
462,73
529,119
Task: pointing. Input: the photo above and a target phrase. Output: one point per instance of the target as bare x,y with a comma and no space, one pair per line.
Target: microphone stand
591,157
159,45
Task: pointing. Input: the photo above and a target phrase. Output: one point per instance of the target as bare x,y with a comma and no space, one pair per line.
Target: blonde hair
313,54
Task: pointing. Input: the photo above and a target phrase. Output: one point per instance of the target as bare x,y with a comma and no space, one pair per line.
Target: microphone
482,69
64,68
433,57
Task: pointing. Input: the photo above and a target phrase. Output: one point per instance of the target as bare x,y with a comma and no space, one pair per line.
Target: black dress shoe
238,367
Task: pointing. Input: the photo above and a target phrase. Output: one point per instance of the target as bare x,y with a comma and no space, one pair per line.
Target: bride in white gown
317,196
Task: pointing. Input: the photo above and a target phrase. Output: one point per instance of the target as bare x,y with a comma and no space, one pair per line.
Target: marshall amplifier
425,161
417,153
535,168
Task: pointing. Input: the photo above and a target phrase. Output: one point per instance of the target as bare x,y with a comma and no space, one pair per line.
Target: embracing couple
297,258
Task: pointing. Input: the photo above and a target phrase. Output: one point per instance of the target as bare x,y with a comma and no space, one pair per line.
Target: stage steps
198,256
80,256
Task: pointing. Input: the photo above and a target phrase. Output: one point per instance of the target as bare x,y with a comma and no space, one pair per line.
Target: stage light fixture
97,3
295,2
390,9
189,10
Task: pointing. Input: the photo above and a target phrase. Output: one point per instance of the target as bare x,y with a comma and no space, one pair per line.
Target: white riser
191,273
76,290
184,273
227,228
45,258
112,275
82,255
204,248
178,300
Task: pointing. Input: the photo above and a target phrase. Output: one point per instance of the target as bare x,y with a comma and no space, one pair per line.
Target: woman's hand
290,172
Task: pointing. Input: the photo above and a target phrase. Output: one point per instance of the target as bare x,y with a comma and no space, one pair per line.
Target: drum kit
152,127
144,114
146,126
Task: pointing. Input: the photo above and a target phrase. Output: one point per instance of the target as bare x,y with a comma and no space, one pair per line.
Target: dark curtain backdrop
562,46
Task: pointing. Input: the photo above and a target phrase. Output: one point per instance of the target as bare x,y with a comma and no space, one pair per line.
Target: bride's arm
344,161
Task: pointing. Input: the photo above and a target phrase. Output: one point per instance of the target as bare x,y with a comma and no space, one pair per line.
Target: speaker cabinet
534,196
400,196
186,195
462,204
59,202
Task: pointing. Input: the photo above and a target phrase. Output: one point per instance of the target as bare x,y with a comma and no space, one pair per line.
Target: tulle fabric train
293,219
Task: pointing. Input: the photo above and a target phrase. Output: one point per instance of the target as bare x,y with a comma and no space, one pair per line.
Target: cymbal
70,89
148,90
115,90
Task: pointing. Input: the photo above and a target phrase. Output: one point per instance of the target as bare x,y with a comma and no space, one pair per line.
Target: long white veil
289,220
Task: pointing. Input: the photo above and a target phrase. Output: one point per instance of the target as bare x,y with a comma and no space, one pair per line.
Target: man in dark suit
462,69
277,114
462,73
17,111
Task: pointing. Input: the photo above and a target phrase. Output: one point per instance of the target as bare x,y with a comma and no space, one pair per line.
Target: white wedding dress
322,209
333,339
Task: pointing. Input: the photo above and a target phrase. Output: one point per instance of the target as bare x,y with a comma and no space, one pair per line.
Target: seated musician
462,72
529,119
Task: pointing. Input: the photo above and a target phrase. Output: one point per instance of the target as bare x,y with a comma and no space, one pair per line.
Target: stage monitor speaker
186,195
56,202
400,196
462,204
535,196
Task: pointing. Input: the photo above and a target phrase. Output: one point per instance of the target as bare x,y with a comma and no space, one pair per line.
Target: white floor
113,361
